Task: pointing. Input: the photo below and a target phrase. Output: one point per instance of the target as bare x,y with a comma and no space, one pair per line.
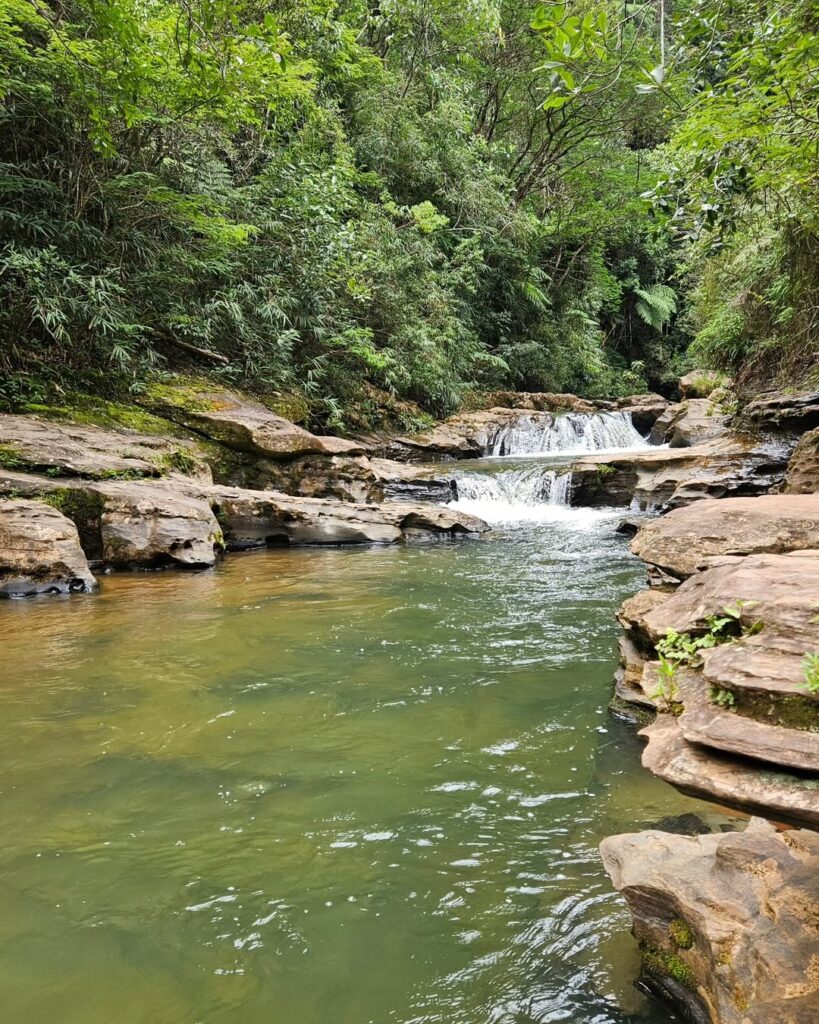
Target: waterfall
513,495
570,434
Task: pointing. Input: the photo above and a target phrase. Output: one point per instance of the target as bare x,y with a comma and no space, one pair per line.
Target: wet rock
65,449
686,538
789,413
727,923
709,774
40,551
661,478
802,476
241,423
467,435
644,410
346,478
257,518
689,423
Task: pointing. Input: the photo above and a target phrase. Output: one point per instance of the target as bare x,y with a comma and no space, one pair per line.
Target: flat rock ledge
686,539
46,543
728,924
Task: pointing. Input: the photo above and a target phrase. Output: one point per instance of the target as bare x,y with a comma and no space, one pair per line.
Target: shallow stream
326,787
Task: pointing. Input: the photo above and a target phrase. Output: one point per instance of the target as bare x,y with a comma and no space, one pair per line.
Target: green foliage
676,650
680,933
656,304
335,201
810,670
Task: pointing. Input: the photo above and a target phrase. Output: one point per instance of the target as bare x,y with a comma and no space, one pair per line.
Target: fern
656,305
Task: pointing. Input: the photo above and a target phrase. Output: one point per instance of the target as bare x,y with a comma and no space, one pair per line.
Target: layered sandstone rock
687,538
727,466
783,412
690,423
257,518
66,449
728,924
40,551
241,423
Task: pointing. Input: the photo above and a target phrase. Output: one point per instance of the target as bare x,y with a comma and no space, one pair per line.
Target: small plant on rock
810,669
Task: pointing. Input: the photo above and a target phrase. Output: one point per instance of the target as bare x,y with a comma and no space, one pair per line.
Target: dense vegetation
405,199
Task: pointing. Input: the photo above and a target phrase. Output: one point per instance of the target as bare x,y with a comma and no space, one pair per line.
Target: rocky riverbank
720,655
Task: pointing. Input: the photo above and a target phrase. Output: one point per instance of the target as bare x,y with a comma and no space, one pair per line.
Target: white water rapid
572,434
535,489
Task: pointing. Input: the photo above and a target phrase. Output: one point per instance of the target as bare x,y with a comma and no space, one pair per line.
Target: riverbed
326,785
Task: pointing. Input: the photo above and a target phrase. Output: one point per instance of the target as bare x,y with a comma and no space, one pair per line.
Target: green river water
326,786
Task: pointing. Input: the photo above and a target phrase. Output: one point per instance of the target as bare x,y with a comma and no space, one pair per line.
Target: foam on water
572,434
535,493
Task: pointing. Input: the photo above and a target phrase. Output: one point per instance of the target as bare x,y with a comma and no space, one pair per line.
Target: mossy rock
664,963
90,411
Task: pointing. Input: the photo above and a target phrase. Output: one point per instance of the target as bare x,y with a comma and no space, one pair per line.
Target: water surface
314,786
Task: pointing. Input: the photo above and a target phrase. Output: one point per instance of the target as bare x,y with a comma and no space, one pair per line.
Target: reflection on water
324,785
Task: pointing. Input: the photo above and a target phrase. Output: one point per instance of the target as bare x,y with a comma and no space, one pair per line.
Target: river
358,786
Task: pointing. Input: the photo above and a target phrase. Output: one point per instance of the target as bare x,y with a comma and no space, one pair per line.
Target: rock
802,476
346,478
700,383
790,413
686,538
727,923
241,423
150,526
258,518
719,727
689,423
661,478
540,401
40,551
467,435
66,449
724,779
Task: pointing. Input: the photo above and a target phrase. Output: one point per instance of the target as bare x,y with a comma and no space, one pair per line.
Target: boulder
343,477
700,383
241,423
65,449
727,923
802,476
150,526
687,538
689,423
644,410
788,413
258,518
709,774
40,551
467,435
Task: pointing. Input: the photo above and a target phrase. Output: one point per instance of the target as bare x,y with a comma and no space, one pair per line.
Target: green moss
292,407
186,394
179,460
665,964
90,411
680,934
10,457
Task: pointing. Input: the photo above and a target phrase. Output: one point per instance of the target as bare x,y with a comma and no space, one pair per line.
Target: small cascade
513,495
570,434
